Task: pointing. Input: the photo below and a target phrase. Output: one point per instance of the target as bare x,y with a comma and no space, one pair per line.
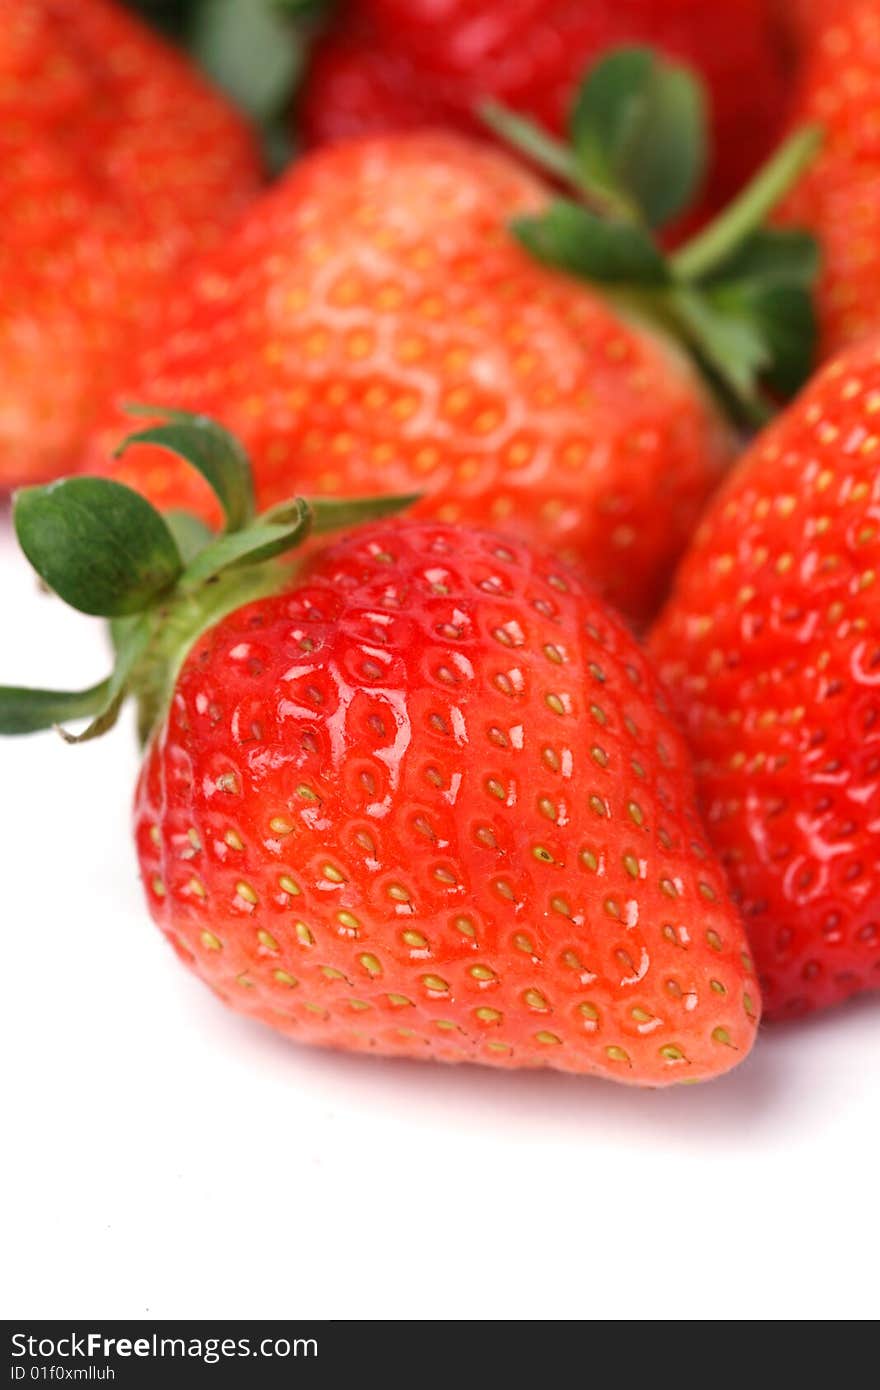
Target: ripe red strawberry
427,801
116,163
771,647
373,326
839,198
396,64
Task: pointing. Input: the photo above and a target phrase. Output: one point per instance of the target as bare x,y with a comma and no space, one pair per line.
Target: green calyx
161,581
738,295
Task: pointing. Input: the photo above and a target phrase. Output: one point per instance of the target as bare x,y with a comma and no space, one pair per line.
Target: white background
164,1158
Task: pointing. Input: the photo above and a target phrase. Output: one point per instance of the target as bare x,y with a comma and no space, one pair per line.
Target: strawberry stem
556,158
711,247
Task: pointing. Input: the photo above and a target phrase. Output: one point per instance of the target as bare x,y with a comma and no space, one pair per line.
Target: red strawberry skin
395,64
427,803
800,20
770,645
372,326
116,163
839,198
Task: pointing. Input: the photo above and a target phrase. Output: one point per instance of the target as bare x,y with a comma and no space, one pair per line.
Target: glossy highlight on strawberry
427,803
770,645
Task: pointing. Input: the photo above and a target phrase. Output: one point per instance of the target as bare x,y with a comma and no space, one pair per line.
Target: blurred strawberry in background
800,18
117,162
839,198
397,64
371,326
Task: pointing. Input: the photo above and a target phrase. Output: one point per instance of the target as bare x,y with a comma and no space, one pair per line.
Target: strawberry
424,800
396,64
116,163
799,20
373,325
770,645
839,197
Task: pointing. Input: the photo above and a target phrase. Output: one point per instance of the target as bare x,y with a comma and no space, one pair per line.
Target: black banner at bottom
385,1353
123,1354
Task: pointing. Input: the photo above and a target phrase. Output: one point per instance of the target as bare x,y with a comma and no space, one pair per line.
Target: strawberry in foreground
424,799
388,65
839,197
771,647
374,325
117,163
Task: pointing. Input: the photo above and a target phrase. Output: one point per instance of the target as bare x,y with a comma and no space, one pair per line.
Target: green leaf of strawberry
250,51
767,283
24,711
100,545
211,449
730,345
262,541
572,238
256,53
638,128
